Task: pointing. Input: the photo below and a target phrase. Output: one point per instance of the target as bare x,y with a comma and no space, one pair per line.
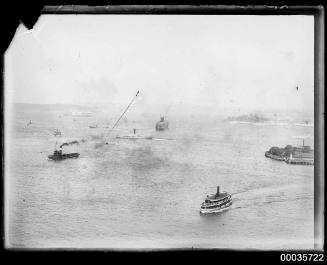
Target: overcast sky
225,61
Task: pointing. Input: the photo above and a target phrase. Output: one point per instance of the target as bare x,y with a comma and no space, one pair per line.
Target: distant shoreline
236,109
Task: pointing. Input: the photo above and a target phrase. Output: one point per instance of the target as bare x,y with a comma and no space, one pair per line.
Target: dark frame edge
182,9
319,116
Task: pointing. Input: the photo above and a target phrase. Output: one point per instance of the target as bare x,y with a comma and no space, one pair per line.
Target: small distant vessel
93,126
162,124
58,155
305,123
29,123
57,133
134,136
81,113
216,203
251,118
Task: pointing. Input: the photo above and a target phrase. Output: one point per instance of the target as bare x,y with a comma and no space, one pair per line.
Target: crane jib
125,110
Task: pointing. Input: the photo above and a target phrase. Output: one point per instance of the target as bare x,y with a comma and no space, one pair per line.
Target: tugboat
58,155
216,203
162,124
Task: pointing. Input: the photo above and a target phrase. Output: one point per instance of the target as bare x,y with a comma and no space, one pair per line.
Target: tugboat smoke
73,142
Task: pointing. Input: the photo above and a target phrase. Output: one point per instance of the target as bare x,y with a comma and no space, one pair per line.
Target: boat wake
164,139
265,195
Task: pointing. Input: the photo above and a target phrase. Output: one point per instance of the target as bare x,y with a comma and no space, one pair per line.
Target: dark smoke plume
73,142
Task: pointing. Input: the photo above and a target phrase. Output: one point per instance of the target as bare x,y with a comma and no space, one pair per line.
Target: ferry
216,203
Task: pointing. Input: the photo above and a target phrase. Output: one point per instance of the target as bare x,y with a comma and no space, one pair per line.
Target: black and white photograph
160,131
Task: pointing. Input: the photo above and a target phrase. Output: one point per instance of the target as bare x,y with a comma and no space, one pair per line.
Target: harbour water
147,193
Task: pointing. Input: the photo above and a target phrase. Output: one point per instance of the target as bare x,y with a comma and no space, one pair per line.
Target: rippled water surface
147,193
